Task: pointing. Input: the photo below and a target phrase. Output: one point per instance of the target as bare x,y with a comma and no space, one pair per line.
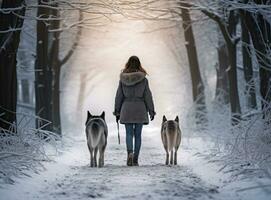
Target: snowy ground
70,177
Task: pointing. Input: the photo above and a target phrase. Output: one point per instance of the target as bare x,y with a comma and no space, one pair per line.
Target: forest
208,61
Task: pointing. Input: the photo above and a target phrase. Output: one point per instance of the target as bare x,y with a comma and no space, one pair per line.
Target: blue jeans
133,130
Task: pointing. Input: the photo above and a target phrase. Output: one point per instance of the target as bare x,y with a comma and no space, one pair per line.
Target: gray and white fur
171,138
96,132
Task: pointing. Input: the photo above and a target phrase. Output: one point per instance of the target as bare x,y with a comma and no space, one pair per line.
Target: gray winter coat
133,99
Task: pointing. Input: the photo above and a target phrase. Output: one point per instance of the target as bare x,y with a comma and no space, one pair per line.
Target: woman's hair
133,65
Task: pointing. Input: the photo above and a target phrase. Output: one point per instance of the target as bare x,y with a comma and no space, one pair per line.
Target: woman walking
133,102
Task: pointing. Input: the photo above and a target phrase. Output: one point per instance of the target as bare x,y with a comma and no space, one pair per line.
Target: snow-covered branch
23,148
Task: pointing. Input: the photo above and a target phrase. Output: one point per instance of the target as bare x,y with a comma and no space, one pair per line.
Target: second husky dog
171,138
96,132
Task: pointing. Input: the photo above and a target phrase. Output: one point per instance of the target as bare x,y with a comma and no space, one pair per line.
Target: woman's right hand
117,118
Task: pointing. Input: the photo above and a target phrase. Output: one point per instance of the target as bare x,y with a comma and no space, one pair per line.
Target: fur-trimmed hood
131,78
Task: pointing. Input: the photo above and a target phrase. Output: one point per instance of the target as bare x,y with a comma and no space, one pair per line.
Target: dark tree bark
57,64
260,32
232,72
197,83
247,66
222,83
48,65
9,42
43,73
228,32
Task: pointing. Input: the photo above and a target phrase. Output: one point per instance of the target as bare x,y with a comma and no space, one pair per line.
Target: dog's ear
164,118
103,115
177,119
89,115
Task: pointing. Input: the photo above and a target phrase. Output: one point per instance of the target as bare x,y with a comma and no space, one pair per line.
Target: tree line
52,19
252,17
254,37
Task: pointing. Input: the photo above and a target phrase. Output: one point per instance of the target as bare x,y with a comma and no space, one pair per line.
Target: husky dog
171,138
96,132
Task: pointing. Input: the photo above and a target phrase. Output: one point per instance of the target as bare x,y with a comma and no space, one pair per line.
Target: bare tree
10,28
260,31
228,30
222,82
51,24
43,70
197,83
247,65
56,63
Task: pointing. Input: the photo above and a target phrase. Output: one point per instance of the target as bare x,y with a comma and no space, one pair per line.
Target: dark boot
130,159
135,160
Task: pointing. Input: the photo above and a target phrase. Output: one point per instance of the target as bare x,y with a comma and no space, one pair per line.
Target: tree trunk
228,31
43,71
9,43
55,64
222,83
261,38
248,68
232,71
56,99
197,83
233,86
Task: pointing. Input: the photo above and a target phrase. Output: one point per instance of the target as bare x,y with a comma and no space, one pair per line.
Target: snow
89,82
70,176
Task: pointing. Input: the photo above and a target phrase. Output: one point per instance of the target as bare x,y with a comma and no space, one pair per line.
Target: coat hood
132,78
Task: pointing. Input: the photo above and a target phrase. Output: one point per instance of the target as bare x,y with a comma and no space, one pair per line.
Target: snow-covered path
70,177
194,178
152,180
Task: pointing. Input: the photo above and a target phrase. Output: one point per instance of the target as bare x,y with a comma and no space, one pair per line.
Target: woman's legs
129,137
138,130
129,143
133,130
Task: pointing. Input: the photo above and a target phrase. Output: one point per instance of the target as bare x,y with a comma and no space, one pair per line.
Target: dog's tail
171,136
95,133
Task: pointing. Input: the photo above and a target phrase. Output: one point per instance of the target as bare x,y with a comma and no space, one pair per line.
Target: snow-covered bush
251,143
244,149
23,149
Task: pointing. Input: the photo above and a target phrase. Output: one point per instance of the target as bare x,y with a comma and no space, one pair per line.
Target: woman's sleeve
118,100
148,99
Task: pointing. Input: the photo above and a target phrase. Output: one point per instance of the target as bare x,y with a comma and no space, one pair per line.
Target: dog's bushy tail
171,136
94,134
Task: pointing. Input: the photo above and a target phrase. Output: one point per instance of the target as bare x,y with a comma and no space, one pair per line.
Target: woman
133,102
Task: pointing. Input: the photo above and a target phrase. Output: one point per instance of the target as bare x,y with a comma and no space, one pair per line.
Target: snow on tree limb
23,148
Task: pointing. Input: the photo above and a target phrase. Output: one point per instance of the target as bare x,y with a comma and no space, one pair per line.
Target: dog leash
118,131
